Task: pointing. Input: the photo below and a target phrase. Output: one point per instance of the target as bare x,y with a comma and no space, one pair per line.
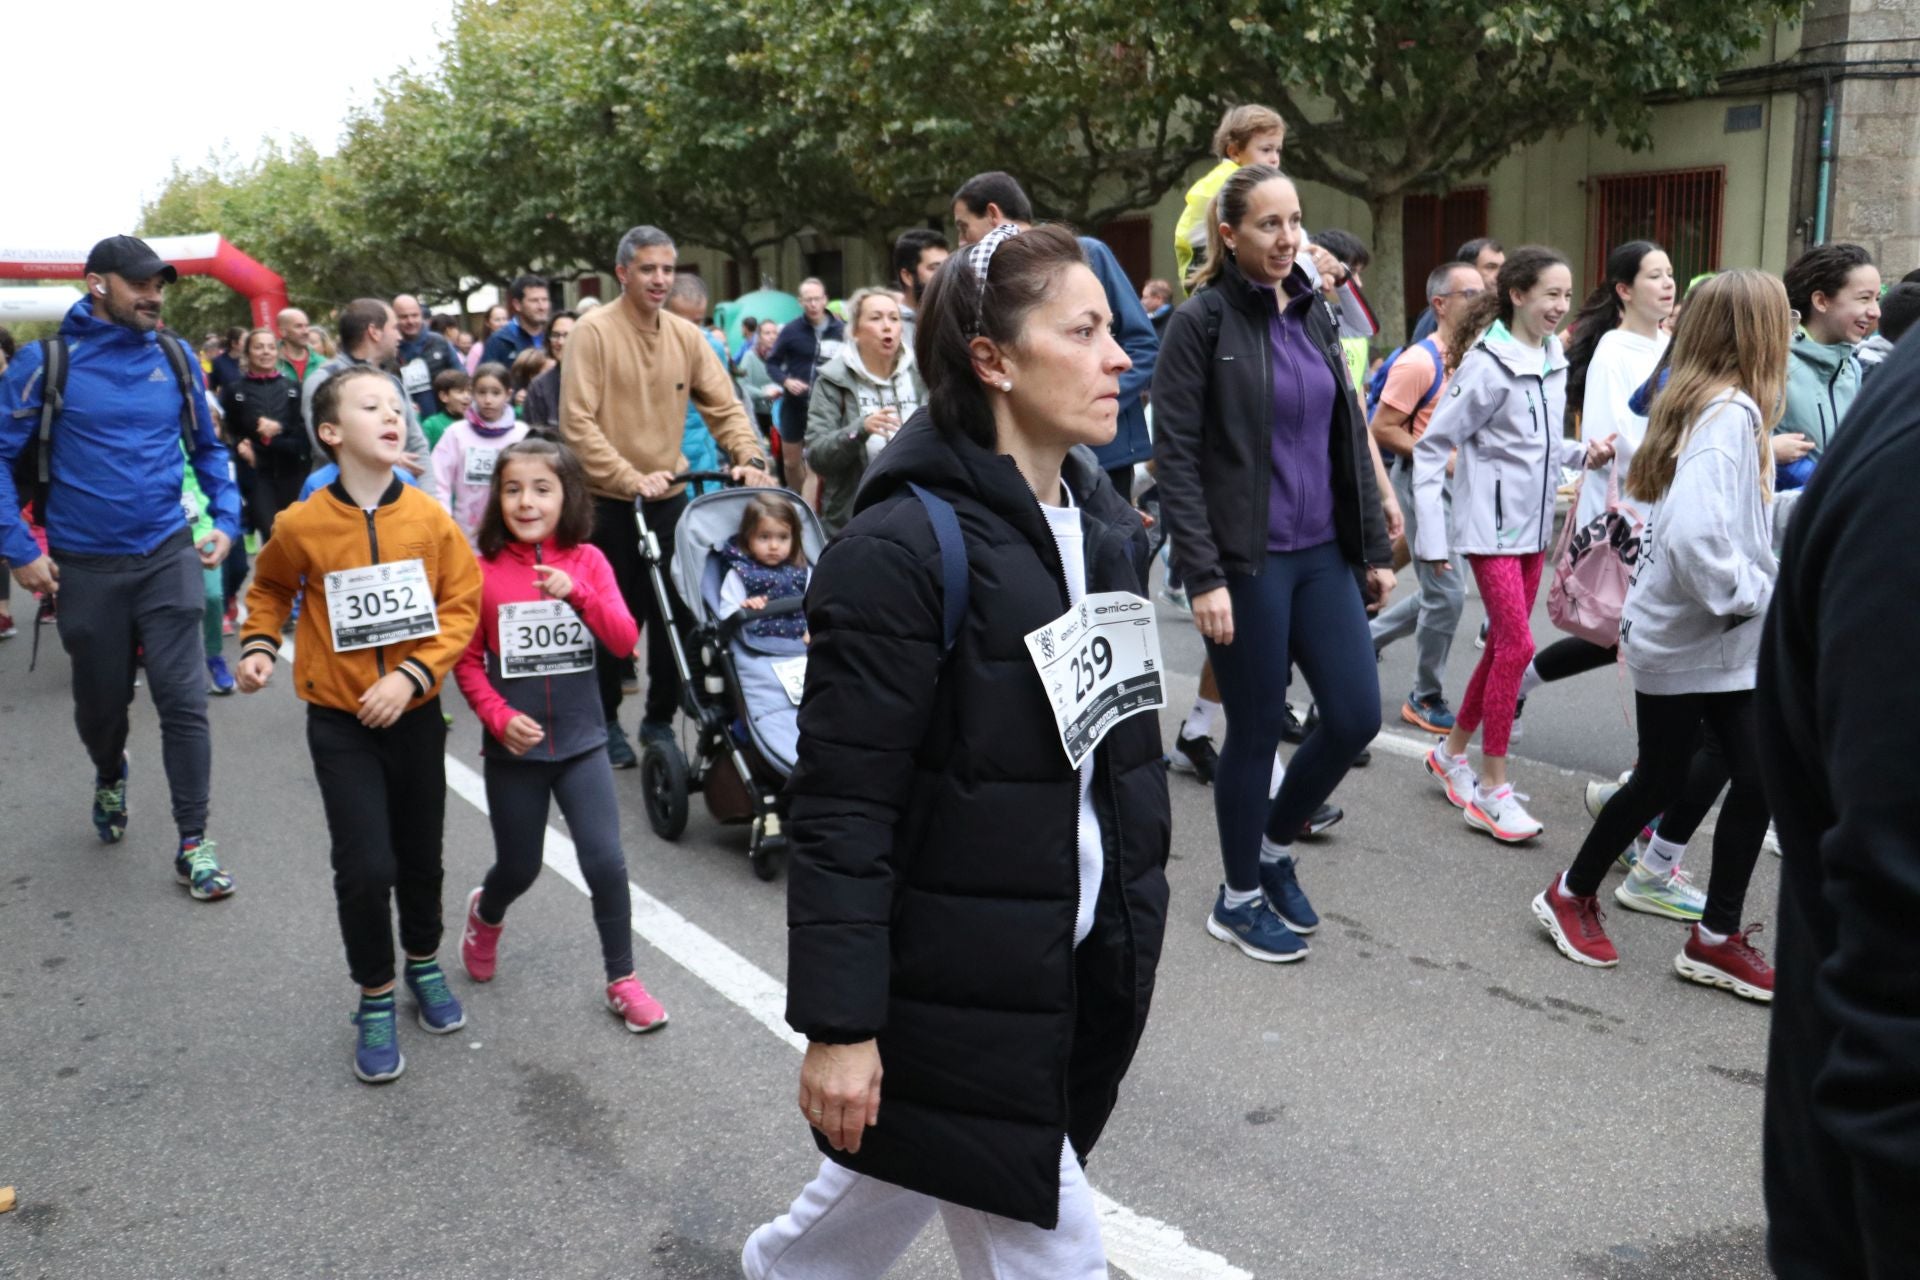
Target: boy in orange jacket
392,598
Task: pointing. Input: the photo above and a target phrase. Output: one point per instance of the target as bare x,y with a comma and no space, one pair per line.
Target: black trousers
1669,729
1572,656
617,535
274,492
385,794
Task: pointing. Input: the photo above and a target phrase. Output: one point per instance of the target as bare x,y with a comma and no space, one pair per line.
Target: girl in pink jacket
464,459
549,597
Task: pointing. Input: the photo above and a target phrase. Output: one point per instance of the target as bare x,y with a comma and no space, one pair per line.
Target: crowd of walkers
997,440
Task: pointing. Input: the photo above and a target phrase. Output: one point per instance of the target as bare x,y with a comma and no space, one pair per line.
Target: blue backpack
1378,382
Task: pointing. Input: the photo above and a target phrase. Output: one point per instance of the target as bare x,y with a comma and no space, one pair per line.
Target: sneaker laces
431,986
376,1027
200,861
1741,940
112,797
1591,915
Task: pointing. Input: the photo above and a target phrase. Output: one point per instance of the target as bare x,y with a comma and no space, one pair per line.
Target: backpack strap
177,357
1439,373
53,402
953,563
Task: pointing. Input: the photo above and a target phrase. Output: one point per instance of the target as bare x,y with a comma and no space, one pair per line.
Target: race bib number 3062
380,604
543,638
1099,663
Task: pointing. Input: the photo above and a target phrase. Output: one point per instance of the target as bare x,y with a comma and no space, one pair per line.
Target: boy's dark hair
1822,269
497,371
7,347
451,380
749,325
955,311
517,291
908,248
1912,277
444,325
1899,309
1345,246
565,313
763,507
326,399
994,187
357,317
575,525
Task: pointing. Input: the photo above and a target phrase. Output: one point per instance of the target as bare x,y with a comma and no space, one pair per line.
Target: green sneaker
1673,896
196,867
110,806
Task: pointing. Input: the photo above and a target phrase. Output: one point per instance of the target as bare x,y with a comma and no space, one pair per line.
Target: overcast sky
102,97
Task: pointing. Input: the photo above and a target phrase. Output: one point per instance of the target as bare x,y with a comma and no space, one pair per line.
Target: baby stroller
734,686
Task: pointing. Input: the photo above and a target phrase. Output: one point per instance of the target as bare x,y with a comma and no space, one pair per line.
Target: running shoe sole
420,1016
1624,895
1225,934
1440,775
1313,828
639,1031
1709,976
384,1076
204,895
1418,721
1551,923
1481,822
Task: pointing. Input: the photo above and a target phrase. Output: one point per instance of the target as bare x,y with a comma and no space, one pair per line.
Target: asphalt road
1434,1093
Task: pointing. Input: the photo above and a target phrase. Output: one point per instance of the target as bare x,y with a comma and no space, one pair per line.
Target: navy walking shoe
376,1052
440,1012
1255,930
1280,881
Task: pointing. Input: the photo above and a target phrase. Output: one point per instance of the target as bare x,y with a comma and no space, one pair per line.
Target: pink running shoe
640,1011
479,942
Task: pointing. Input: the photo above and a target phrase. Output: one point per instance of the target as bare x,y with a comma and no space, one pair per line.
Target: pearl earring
1006,386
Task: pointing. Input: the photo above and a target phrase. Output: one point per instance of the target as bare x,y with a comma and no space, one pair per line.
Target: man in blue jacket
530,303
123,562
989,199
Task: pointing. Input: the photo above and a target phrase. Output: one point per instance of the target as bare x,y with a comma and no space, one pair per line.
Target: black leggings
385,794
517,796
1669,729
617,535
1571,657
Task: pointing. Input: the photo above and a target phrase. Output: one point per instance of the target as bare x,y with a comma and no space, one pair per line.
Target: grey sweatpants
109,607
1431,614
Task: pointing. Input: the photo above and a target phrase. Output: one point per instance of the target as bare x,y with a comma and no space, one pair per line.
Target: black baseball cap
128,256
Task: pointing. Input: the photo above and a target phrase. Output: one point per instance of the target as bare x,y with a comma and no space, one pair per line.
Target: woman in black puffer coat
966,908
262,411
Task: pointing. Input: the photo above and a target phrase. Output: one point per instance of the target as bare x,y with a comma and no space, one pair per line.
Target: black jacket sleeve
1179,423
875,613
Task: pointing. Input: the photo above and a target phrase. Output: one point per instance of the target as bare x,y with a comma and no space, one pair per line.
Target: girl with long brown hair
1689,632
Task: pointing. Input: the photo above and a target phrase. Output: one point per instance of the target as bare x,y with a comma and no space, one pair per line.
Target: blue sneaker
1281,882
110,806
1431,715
376,1052
440,1013
1255,930
219,679
196,867
619,750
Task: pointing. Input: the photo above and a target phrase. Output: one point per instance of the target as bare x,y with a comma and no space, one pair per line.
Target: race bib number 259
1099,663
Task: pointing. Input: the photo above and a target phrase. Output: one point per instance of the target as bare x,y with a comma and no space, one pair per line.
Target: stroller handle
724,478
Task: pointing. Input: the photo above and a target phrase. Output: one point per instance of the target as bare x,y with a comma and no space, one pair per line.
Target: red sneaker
479,942
640,1011
1575,926
1735,965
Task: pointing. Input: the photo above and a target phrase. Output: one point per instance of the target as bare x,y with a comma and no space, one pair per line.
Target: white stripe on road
1145,1248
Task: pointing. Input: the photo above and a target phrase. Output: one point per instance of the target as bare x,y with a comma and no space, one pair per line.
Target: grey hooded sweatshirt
1706,569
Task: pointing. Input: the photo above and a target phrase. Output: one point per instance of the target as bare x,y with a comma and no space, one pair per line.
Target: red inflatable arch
202,255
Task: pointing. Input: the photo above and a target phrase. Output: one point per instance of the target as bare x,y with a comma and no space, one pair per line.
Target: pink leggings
1508,585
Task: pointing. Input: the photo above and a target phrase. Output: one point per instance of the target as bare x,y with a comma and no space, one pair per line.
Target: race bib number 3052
1099,663
380,604
543,638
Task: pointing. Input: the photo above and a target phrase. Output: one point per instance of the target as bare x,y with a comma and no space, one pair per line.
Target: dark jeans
1669,729
274,492
518,793
617,535
1305,609
112,605
385,795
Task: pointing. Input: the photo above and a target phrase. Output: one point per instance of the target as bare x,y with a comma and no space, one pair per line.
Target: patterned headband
980,257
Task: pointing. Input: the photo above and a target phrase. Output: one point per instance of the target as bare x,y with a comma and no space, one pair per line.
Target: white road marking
1145,1248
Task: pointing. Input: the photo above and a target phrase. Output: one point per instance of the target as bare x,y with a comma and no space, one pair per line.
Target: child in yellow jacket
392,598
1247,135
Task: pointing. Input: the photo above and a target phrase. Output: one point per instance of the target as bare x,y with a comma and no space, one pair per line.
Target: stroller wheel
769,857
663,783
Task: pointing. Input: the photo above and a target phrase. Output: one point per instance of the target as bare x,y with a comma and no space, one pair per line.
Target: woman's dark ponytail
1600,314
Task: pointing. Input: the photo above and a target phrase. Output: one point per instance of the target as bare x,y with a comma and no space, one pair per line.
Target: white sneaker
1454,774
1598,793
1500,814
1674,896
1772,843
1279,775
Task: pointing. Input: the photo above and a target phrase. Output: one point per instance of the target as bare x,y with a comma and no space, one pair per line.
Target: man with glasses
1415,382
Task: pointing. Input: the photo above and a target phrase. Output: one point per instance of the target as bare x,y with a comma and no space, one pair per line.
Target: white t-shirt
1622,363
1070,538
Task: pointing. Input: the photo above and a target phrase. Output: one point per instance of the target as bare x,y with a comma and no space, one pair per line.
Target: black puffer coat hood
934,879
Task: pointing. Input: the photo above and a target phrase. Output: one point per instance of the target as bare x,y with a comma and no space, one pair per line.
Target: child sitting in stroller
766,561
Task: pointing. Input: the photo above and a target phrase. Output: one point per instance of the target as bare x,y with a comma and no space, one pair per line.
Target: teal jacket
1822,381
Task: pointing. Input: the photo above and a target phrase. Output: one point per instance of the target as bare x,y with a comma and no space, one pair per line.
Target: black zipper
373,545
1498,519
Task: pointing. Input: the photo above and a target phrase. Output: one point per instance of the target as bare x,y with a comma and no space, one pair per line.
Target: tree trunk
1386,288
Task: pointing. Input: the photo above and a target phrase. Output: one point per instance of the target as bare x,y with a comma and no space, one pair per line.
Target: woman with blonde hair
1690,631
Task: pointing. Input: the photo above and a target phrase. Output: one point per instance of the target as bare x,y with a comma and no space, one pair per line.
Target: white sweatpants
847,1226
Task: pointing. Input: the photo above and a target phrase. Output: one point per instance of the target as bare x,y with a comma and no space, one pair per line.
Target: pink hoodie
464,452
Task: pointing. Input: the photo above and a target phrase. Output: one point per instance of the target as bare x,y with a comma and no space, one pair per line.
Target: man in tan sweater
630,370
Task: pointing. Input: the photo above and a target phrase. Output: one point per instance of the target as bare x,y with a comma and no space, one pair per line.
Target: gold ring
815,1111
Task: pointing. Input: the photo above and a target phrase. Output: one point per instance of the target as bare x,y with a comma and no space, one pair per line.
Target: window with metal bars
1680,210
1432,229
